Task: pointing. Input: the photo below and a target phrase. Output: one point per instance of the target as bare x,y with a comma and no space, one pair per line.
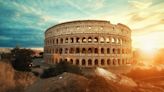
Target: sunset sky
23,22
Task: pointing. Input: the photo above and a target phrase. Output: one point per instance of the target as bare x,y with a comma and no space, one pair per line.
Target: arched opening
83,50
123,61
119,63
89,62
119,51
95,40
90,50
114,61
71,51
66,50
72,40
56,51
102,62
84,40
122,51
102,40
77,50
83,62
96,50
56,41
77,40
71,61
112,39
89,39
61,40
114,50
108,62
96,61
66,40
107,40
108,50
102,50
77,61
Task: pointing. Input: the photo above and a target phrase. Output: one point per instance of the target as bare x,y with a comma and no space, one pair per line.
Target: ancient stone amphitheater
88,44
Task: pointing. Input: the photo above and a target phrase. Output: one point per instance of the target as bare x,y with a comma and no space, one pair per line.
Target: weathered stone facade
89,43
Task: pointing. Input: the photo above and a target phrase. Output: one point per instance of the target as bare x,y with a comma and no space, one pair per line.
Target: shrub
59,68
22,59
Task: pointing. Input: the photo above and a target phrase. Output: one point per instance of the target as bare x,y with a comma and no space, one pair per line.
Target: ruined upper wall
88,26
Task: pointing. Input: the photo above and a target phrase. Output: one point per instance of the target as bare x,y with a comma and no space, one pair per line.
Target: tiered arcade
88,43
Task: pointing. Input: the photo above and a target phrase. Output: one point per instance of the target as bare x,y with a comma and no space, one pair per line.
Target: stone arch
57,41
77,62
108,50
102,62
119,62
123,61
107,40
108,62
117,41
119,52
83,62
96,62
102,40
122,51
71,61
66,50
72,40
71,51
77,40
83,50
95,39
56,51
84,40
112,40
113,51
77,50
114,62
89,39
102,51
96,51
53,41
66,40
89,50
61,40
89,62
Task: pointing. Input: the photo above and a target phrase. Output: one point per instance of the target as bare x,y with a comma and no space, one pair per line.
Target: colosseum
88,44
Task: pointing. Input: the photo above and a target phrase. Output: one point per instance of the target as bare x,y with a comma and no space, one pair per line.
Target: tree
22,59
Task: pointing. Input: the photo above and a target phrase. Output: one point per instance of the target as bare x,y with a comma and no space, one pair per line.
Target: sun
148,47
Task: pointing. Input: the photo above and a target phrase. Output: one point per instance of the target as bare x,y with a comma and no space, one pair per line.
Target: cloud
140,4
24,22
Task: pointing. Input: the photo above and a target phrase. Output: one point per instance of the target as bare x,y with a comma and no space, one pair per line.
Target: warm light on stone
88,43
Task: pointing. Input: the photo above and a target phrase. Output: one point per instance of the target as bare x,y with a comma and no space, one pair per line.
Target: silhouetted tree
22,59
